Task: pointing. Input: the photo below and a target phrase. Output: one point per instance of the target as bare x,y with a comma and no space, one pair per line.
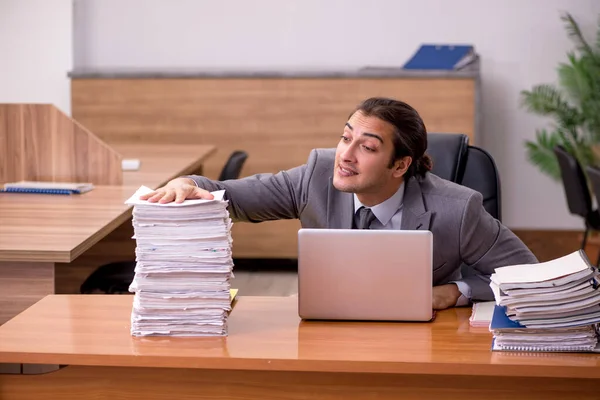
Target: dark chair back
448,152
481,174
593,174
113,278
592,218
233,167
574,183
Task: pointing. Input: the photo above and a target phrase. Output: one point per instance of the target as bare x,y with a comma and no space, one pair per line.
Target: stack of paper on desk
481,314
552,306
183,267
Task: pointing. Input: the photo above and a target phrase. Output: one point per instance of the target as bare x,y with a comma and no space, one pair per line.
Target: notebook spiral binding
547,349
39,191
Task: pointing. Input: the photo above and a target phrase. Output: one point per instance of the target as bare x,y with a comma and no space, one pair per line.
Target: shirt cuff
193,180
465,294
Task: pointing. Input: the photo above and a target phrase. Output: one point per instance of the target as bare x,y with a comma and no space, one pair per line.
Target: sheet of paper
545,271
135,199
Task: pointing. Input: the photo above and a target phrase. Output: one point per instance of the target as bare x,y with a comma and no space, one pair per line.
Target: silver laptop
369,275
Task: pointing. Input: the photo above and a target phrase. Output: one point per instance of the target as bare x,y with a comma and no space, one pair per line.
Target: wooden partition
40,143
276,119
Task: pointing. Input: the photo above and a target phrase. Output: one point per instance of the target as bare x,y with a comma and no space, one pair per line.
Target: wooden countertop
51,228
370,72
265,333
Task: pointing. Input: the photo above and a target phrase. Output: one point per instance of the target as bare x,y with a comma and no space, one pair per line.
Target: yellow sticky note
232,293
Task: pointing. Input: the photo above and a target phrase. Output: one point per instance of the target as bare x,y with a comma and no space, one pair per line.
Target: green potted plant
574,106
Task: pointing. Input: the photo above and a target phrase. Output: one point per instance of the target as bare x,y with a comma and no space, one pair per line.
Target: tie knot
365,218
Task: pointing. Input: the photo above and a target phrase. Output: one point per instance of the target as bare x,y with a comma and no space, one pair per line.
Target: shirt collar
386,210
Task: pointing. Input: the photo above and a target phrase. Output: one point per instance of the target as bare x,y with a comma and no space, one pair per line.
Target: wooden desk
37,231
271,354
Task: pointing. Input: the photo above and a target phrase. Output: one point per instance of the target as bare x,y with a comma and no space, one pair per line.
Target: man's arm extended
256,198
262,197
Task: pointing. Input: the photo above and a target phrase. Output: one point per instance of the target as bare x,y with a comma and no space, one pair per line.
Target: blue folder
501,321
441,57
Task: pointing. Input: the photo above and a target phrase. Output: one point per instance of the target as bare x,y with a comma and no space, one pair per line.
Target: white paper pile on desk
183,267
551,306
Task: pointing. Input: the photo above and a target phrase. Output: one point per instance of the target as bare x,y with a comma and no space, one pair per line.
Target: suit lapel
340,208
414,215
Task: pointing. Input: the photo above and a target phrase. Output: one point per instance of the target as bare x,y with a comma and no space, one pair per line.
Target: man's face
362,159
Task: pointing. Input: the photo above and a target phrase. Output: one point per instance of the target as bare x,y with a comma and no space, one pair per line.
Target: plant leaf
547,100
541,153
598,36
574,80
575,34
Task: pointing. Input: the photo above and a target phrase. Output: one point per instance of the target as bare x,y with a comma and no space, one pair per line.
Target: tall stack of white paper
552,306
183,267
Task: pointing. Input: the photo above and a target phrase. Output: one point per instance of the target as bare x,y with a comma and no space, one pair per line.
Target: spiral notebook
61,188
510,335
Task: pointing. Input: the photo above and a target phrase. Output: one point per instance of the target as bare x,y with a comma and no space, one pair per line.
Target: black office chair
115,278
112,278
470,166
577,192
449,153
233,166
593,174
481,174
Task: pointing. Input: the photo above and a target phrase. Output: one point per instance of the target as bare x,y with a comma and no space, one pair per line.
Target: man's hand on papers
445,296
177,190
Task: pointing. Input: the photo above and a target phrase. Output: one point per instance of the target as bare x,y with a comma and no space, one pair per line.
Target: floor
265,283
256,277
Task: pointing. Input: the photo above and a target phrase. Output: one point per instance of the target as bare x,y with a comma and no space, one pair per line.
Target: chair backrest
481,174
233,166
574,183
593,174
448,152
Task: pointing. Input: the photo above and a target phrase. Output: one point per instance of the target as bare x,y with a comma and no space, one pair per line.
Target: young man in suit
377,178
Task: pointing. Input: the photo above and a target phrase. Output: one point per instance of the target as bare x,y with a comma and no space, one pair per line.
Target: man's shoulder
322,155
321,160
434,186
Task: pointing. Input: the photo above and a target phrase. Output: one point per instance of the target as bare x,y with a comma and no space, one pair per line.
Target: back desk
50,243
271,354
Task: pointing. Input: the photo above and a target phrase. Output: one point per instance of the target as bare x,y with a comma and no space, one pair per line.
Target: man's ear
401,166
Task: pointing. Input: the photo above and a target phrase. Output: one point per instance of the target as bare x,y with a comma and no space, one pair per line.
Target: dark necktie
364,218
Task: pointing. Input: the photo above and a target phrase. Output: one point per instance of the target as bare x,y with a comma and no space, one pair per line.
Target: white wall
36,52
520,42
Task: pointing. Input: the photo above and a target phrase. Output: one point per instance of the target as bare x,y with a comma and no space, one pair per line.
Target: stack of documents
551,306
183,267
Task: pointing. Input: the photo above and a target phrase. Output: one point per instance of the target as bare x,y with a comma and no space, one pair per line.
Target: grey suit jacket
464,234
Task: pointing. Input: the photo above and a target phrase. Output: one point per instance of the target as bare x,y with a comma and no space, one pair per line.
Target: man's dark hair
410,136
